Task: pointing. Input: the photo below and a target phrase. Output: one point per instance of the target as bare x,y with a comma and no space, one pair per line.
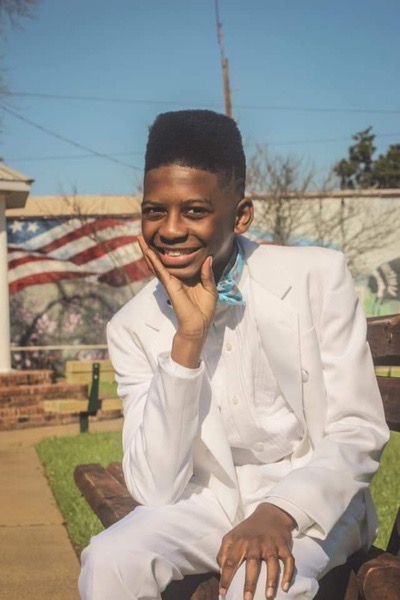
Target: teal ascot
227,287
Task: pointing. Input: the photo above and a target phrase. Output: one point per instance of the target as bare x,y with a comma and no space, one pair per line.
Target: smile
176,257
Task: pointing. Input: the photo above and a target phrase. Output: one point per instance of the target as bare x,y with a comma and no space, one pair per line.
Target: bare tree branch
15,10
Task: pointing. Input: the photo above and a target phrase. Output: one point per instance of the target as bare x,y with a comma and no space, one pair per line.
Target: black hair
201,139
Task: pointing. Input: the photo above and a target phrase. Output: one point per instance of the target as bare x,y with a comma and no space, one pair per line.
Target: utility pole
224,64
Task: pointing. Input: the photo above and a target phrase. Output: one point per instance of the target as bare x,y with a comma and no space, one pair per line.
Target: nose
172,229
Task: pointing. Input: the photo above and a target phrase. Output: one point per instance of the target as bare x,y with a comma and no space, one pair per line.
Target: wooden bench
92,373
366,576
80,371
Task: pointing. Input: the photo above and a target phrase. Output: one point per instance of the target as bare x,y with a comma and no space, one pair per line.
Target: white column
5,355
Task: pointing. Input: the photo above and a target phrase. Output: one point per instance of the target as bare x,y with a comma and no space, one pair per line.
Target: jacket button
235,400
228,346
304,375
258,446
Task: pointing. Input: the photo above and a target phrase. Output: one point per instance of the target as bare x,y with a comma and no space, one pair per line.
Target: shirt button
235,400
228,346
258,446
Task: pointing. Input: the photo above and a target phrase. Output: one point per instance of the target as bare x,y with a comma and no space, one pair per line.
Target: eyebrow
190,201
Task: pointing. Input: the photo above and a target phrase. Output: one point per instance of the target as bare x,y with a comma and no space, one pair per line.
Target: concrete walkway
37,561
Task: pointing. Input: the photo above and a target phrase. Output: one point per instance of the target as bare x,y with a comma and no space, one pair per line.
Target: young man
253,421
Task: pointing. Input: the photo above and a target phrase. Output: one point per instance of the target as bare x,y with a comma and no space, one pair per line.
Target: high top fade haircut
200,139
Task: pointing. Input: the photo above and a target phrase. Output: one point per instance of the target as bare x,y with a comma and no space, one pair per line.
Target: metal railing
55,356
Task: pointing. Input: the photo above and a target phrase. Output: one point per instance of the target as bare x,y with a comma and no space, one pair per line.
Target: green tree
386,172
356,171
361,171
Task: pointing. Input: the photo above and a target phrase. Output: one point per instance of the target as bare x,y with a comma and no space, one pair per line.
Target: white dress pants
136,558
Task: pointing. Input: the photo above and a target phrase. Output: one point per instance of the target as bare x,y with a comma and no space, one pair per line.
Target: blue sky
290,54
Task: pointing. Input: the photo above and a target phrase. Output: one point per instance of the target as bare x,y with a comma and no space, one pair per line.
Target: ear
244,215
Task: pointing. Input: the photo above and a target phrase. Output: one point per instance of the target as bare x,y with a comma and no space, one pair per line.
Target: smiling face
188,214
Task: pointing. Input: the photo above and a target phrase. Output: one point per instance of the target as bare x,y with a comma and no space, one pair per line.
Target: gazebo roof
14,186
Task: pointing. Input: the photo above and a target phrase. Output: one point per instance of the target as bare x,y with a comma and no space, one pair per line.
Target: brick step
24,422
25,395
20,411
42,420
55,407
26,377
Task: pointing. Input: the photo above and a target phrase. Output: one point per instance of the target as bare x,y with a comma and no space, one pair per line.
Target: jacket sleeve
160,419
355,432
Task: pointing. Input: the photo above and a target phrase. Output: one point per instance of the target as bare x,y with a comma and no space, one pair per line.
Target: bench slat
109,499
384,339
390,391
115,469
379,578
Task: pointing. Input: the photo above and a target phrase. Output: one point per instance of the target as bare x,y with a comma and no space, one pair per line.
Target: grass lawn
386,489
59,457
108,389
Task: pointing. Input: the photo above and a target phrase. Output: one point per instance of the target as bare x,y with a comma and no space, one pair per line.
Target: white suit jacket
314,334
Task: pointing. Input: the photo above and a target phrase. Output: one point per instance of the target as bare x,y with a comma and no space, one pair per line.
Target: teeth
177,252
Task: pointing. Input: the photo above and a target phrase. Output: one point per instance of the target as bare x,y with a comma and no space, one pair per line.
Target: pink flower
72,322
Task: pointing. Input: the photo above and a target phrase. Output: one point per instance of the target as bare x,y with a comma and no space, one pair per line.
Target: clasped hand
264,536
194,305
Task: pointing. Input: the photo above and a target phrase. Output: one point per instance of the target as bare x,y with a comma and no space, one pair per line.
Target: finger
154,262
229,567
149,265
253,568
143,245
288,570
273,570
145,248
207,276
221,556
224,549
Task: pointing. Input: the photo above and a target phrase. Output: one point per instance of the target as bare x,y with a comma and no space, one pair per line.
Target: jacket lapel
277,322
213,433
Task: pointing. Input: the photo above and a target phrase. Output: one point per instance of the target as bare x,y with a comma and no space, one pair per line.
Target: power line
69,156
327,141
287,143
205,104
65,139
380,111
108,99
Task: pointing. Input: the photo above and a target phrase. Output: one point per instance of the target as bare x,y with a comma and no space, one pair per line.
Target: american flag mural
104,249
67,277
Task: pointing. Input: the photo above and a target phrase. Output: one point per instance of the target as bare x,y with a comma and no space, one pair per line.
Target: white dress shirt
260,426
